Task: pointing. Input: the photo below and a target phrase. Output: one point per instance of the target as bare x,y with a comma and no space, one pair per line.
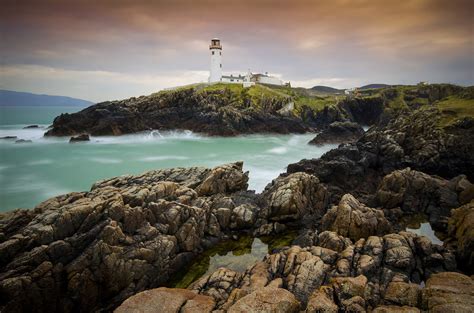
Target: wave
163,158
278,150
105,160
40,162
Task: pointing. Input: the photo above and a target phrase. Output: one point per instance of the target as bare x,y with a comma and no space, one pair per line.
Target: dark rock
8,137
413,139
339,132
83,137
31,126
23,141
208,112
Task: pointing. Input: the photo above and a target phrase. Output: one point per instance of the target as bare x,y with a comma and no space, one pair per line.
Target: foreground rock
268,299
339,132
130,233
449,292
94,249
167,301
360,274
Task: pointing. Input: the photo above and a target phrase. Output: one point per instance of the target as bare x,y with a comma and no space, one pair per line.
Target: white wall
216,66
270,80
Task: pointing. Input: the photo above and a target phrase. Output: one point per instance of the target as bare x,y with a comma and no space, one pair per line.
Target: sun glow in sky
102,50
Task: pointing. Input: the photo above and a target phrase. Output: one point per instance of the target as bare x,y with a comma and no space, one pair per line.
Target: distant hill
15,98
326,89
374,86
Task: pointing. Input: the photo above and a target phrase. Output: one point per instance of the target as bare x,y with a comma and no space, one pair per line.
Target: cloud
92,85
146,45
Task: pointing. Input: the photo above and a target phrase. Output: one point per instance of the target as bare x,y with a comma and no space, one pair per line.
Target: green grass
454,108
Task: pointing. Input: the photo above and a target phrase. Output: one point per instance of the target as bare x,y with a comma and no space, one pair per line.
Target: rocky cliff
229,110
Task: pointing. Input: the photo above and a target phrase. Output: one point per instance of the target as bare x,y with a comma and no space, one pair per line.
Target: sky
103,50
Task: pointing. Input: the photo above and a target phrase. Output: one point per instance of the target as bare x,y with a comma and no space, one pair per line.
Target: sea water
47,167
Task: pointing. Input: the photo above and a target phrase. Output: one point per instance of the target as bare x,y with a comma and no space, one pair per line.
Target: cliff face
222,111
229,110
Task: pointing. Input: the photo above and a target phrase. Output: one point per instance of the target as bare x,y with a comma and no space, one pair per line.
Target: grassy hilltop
454,102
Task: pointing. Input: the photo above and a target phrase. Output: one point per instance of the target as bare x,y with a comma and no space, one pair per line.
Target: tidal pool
419,225
236,255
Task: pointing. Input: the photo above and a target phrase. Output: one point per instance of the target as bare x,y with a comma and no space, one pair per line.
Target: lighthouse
216,61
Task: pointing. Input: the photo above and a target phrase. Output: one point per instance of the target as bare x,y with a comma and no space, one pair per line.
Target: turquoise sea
46,167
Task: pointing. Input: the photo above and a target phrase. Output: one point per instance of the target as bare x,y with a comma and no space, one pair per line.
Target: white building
247,80
216,61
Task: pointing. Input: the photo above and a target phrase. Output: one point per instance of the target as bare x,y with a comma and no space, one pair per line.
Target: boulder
338,132
448,292
167,301
352,219
267,300
31,126
295,196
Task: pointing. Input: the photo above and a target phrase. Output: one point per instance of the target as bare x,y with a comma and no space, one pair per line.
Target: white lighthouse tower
216,61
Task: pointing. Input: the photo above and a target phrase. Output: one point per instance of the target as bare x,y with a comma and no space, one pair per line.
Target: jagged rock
267,300
461,235
222,179
338,132
356,277
94,249
449,292
213,112
295,196
78,138
352,219
417,192
411,139
167,300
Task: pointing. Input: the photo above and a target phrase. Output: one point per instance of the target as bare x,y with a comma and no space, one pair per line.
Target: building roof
232,76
